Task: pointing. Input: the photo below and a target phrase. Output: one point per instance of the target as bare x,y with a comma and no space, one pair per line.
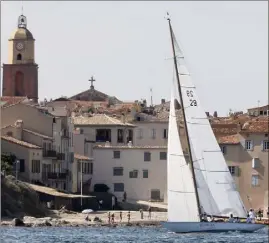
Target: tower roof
21,34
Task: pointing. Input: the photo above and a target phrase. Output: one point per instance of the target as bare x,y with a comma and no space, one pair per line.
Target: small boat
198,180
86,211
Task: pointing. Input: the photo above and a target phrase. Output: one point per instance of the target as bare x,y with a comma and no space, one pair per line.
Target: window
35,166
165,133
155,194
120,135
9,133
19,57
116,154
145,174
103,135
232,170
248,145
153,133
265,145
223,149
133,174
140,133
255,163
118,187
163,155
255,180
130,135
117,171
22,165
147,156
86,167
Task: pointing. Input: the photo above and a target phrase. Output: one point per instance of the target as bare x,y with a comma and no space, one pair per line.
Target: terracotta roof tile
82,157
11,100
260,126
229,139
20,142
38,134
98,119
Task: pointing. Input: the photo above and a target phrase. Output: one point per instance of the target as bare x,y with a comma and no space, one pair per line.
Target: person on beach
113,218
120,216
141,213
109,217
149,210
129,216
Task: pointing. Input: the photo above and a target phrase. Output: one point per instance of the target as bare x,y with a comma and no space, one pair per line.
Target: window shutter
236,170
251,145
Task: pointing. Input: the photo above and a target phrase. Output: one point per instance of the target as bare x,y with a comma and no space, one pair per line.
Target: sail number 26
193,102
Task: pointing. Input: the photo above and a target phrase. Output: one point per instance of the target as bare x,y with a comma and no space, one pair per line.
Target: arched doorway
19,84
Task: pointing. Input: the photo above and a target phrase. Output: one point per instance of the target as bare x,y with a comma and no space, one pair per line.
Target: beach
97,218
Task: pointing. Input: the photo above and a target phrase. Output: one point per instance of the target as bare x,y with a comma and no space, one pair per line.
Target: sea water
121,234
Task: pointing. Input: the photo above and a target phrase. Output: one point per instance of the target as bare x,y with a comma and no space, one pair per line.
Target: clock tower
20,74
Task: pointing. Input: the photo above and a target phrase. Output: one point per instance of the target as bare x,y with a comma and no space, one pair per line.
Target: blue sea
121,234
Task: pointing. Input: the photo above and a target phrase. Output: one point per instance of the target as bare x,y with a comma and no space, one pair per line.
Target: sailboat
200,182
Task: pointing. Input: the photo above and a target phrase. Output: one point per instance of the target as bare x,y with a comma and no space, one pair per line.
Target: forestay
182,204
216,188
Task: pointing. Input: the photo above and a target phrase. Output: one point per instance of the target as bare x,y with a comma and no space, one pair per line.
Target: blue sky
126,46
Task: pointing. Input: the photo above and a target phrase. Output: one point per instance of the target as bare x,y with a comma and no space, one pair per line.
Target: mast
184,118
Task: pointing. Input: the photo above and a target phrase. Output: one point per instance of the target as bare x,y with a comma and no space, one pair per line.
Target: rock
17,222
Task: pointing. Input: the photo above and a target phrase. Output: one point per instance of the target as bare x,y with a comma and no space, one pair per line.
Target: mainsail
182,204
216,188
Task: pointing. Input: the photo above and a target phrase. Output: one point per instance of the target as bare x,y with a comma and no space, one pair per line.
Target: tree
7,161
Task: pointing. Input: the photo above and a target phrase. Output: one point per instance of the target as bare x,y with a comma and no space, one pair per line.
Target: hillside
18,199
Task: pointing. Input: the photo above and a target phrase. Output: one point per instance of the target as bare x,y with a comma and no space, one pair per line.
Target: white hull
191,227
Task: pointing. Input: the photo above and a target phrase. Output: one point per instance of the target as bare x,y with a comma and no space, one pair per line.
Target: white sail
216,188
182,204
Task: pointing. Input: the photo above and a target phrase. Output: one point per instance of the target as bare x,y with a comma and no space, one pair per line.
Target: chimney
162,101
207,113
239,127
18,129
215,114
123,118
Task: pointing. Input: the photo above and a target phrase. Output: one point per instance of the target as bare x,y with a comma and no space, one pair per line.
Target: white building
151,133
99,129
140,171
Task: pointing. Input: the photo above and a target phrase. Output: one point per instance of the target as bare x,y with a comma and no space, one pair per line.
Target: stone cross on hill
92,80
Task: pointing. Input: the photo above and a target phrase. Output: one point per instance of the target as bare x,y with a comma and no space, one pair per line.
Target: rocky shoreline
53,222
97,219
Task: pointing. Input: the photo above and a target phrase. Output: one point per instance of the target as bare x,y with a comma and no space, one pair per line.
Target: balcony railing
50,153
60,156
56,175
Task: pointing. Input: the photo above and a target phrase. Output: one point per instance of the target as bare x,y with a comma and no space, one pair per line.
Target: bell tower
20,74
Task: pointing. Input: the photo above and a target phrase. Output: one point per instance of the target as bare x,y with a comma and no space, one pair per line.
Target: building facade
33,125
140,171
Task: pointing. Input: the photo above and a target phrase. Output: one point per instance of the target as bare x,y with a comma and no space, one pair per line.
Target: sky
126,46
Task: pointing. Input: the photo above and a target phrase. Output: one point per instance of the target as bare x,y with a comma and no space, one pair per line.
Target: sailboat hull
192,227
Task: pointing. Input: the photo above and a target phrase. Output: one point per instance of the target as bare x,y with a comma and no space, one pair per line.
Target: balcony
57,176
60,156
50,153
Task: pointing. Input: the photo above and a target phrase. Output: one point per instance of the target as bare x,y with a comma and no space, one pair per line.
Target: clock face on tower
20,46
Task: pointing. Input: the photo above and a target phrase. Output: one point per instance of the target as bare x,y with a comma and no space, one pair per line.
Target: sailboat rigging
205,180
184,120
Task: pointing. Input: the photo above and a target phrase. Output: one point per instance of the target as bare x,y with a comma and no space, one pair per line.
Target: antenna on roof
22,7
151,99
